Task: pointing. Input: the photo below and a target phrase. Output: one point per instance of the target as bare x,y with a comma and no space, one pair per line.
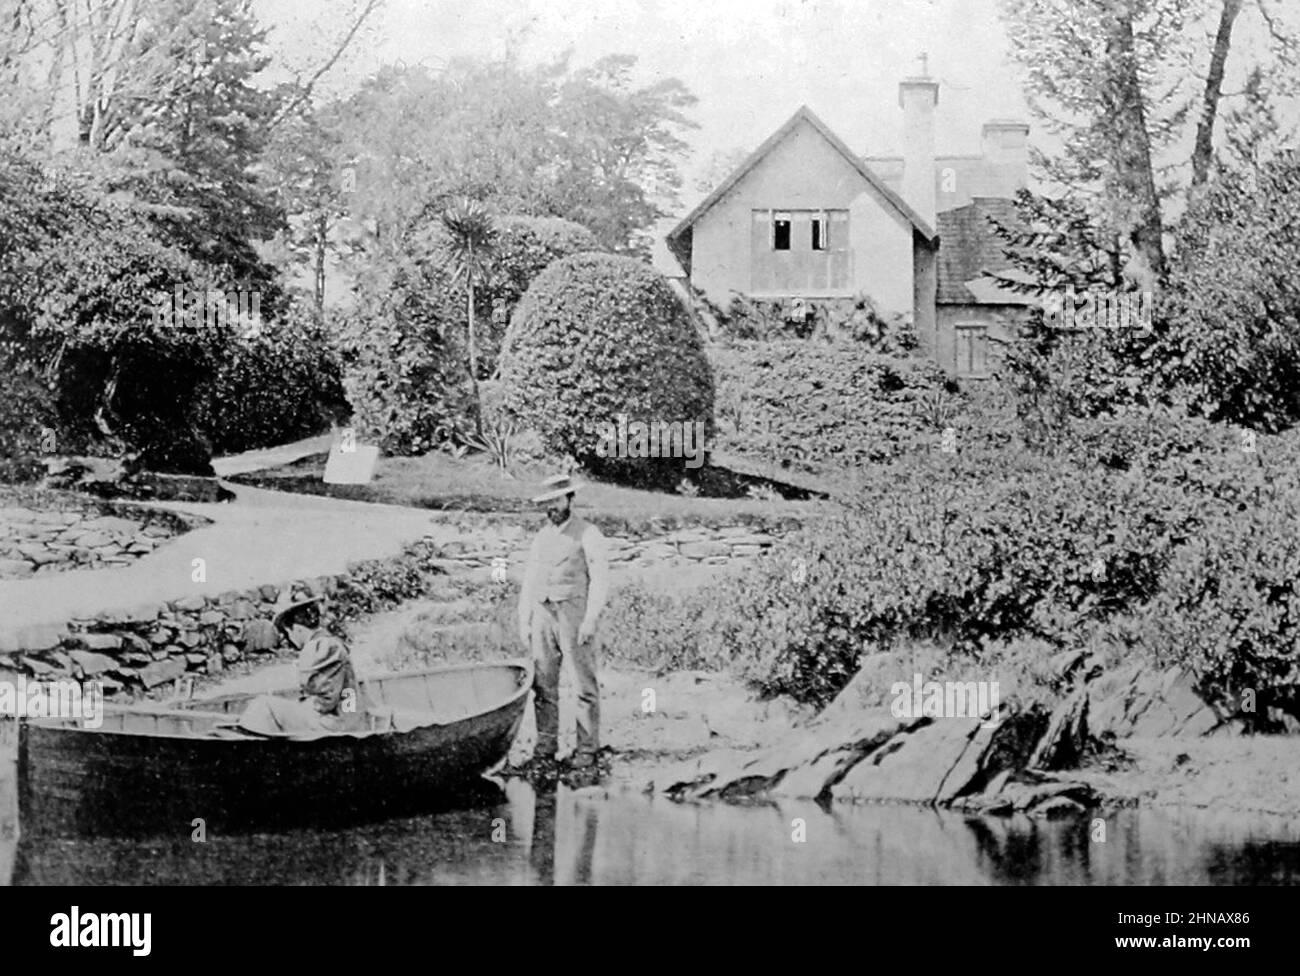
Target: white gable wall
804,171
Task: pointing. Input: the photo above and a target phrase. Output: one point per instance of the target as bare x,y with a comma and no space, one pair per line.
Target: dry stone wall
60,533
140,650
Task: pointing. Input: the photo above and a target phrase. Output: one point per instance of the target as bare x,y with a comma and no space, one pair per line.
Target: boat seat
395,718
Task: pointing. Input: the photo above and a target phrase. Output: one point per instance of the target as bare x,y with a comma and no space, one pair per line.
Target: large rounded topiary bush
601,343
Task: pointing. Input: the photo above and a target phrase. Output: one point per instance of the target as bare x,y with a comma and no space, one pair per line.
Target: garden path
261,537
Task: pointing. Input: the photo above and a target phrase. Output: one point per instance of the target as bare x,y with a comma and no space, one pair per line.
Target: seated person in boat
329,699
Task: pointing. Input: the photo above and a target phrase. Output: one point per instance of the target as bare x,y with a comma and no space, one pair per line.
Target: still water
514,835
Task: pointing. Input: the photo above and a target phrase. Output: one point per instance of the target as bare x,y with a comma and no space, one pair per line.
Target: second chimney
918,97
1006,151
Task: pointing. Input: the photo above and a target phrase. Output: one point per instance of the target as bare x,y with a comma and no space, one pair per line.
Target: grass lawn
473,484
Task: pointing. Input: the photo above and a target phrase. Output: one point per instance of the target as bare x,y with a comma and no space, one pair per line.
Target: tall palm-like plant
471,237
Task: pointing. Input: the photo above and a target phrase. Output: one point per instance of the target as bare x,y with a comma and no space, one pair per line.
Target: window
972,350
799,252
820,229
781,232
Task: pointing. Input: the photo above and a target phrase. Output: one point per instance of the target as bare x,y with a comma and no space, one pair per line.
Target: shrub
596,337
666,620
525,247
855,320
278,385
403,371
1230,612
78,273
28,426
805,405
963,551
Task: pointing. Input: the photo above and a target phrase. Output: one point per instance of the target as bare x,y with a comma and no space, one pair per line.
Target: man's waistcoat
562,564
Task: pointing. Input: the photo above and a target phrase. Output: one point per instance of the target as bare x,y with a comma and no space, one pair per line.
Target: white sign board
351,467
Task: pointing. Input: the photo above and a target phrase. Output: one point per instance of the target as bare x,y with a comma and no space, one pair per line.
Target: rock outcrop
876,756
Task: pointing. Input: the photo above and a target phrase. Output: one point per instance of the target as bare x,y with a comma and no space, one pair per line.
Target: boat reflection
511,834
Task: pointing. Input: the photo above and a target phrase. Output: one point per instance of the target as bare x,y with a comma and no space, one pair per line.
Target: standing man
565,585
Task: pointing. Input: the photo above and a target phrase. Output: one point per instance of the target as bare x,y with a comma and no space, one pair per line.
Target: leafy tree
583,144
313,182
1086,81
78,285
525,247
1232,340
195,142
618,153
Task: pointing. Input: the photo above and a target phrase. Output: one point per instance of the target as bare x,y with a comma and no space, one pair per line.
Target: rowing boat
170,770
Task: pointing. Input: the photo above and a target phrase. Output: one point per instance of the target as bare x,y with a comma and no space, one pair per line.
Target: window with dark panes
781,232
820,233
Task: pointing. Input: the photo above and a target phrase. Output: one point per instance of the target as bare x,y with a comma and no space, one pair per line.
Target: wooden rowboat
160,770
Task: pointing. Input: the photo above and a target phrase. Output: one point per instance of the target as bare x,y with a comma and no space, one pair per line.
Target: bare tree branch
305,91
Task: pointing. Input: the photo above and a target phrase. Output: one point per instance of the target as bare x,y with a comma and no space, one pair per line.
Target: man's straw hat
556,486
285,606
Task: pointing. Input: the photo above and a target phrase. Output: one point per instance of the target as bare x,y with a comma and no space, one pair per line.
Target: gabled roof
804,114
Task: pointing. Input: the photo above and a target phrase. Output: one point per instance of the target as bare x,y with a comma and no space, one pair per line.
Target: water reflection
513,835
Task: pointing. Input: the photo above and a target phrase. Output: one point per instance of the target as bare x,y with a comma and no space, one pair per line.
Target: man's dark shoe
538,769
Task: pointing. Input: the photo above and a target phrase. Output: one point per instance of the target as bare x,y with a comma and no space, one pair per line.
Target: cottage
804,217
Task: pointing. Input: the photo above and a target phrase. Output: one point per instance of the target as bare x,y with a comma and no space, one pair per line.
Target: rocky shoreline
1121,738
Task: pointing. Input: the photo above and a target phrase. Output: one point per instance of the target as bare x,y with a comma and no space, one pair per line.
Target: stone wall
139,650
60,533
632,548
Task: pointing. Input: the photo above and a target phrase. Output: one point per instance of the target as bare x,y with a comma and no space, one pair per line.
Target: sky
751,63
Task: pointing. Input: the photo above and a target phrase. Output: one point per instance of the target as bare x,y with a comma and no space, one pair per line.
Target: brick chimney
918,96
1006,151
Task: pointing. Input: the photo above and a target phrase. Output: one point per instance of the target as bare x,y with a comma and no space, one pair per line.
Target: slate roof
969,248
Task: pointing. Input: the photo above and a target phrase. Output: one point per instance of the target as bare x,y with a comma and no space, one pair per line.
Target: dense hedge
813,404
273,386
963,550
596,337
28,426
1152,536
855,320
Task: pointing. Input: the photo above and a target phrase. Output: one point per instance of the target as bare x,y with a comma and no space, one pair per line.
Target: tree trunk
1135,179
1204,150
321,231
473,353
